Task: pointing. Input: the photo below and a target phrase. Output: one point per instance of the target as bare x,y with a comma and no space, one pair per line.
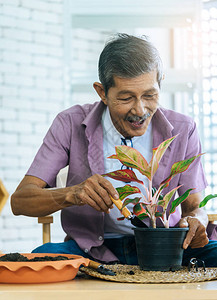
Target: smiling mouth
136,121
137,124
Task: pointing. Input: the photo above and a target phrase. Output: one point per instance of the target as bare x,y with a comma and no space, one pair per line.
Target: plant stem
166,224
153,222
150,191
145,199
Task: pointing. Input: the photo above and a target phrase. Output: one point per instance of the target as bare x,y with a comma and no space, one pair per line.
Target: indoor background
49,52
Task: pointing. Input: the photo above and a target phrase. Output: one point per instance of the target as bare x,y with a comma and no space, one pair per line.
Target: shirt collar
162,128
93,118
109,130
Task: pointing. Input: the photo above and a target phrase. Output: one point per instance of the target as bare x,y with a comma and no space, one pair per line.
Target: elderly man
130,73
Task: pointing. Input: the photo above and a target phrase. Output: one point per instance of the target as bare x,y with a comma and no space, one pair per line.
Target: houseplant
152,204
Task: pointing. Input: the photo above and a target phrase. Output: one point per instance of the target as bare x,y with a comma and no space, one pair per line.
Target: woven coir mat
133,274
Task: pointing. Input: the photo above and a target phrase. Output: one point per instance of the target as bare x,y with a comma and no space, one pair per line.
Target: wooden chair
46,232
47,220
3,197
212,218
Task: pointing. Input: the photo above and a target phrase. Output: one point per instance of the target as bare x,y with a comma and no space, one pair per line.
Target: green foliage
130,157
167,197
154,190
178,167
127,190
129,200
206,199
126,175
179,200
157,155
159,214
140,211
147,205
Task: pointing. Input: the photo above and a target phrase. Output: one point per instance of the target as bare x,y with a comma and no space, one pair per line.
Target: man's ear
100,91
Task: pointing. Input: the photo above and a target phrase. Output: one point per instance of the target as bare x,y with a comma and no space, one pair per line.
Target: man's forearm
31,198
36,202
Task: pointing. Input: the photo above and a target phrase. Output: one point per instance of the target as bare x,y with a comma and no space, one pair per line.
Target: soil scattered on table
20,257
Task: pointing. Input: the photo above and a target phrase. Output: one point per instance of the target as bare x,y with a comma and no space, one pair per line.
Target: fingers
196,236
105,184
183,223
97,198
199,244
96,192
193,242
100,189
191,233
200,239
87,199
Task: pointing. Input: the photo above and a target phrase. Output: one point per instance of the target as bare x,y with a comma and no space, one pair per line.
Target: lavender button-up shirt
76,139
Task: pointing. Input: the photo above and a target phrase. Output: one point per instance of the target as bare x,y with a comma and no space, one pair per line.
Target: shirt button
100,238
86,250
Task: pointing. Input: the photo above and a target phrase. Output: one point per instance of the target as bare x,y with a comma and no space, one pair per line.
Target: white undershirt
112,138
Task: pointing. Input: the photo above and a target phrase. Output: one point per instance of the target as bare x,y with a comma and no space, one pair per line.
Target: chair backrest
47,220
62,177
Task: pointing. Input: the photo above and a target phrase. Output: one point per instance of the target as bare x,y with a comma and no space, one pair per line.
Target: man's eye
125,99
149,96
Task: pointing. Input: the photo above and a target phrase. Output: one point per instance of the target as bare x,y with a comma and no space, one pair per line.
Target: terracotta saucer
43,271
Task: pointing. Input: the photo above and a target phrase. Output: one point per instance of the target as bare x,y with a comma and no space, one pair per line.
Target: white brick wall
31,94
34,87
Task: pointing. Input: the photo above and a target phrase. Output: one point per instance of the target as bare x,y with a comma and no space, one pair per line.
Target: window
209,107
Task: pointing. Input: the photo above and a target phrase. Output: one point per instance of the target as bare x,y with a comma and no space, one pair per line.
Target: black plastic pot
160,249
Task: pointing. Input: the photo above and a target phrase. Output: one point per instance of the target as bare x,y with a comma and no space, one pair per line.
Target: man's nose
138,108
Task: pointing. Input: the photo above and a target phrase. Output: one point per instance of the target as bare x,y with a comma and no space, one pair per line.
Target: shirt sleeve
53,154
194,176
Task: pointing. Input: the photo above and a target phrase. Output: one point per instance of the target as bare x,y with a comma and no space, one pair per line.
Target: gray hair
128,56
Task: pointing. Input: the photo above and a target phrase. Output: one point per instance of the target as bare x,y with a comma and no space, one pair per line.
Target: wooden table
96,289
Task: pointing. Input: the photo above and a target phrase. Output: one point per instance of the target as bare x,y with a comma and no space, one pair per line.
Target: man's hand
196,236
94,191
31,198
196,219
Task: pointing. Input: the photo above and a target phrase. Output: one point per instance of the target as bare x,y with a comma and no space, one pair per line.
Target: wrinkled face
132,102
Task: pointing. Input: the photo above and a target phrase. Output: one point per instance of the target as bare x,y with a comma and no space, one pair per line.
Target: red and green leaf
182,165
179,200
133,201
177,168
206,199
130,157
165,183
140,211
168,197
157,155
127,190
126,175
113,156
